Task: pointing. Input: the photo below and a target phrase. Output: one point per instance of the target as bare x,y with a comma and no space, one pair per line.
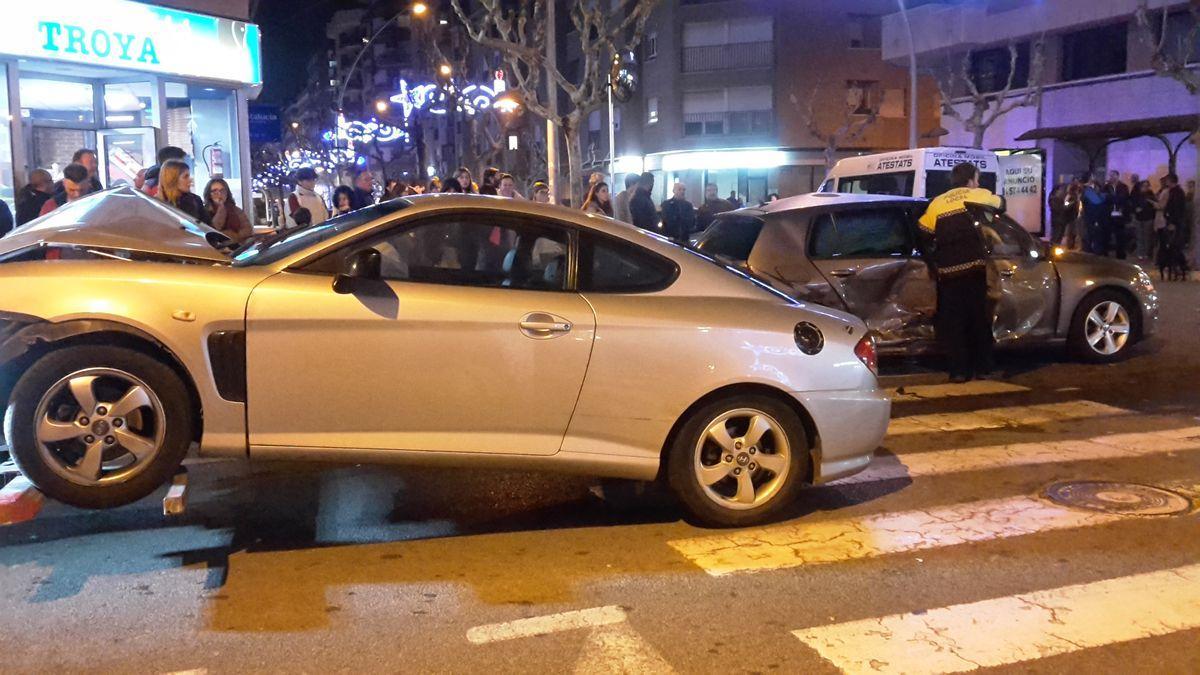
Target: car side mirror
361,266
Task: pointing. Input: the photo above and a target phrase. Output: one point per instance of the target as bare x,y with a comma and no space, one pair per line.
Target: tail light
865,351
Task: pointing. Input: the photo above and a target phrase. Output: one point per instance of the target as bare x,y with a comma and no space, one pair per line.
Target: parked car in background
863,254
439,329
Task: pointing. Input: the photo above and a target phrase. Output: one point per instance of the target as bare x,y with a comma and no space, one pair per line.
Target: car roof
815,200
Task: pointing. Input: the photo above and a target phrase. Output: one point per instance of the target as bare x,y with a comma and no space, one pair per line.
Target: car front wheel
1104,327
738,461
98,427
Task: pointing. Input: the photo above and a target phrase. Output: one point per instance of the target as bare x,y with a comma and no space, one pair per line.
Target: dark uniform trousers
964,322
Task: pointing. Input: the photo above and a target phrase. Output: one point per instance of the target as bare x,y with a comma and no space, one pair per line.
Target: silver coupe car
456,330
863,254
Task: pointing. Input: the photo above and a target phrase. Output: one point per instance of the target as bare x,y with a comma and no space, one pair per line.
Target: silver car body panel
124,219
602,399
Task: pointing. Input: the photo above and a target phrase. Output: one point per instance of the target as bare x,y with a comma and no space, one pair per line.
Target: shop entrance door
123,153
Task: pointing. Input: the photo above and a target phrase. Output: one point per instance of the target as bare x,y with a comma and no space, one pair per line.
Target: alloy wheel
1107,327
742,458
99,426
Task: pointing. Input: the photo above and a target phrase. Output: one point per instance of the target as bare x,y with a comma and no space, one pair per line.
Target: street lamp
381,106
506,104
445,70
420,9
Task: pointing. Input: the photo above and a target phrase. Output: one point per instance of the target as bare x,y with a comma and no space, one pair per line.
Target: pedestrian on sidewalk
490,181
712,206
621,201
641,205
506,186
75,182
223,211
306,197
1097,215
1119,215
678,215
364,190
1144,210
598,200
32,197
963,324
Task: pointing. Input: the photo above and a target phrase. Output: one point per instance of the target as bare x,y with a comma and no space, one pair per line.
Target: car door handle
844,273
1008,272
543,324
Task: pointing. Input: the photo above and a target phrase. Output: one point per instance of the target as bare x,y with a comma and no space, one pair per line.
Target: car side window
861,233
613,266
1006,239
468,250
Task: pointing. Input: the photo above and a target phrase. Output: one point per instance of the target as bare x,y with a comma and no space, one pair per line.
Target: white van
925,173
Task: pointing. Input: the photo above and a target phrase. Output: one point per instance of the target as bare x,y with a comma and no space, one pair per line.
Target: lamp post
912,76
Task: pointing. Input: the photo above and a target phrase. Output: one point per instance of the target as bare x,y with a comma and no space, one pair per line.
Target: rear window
613,266
899,183
731,237
937,182
861,233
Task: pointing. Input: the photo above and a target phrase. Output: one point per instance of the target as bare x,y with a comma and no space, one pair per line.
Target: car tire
696,455
146,430
1095,335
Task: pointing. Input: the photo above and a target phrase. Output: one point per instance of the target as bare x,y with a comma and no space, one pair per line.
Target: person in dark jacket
679,218
364,190
1120,213
1097,217
641,205
32,197
963,323
490,181
711,206
85,157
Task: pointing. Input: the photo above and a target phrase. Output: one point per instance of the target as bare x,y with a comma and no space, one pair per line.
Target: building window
651,46
990,68
735,110
865,31
593,135
729,44
1095,52
652,110
863,97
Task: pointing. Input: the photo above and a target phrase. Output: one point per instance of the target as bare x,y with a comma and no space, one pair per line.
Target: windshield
287,242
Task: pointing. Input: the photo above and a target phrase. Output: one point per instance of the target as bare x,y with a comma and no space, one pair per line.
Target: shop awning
1116,131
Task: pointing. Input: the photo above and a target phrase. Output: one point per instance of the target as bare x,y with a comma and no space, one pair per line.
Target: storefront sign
131,35
1024,189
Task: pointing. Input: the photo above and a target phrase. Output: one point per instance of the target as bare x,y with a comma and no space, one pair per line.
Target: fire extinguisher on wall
214,159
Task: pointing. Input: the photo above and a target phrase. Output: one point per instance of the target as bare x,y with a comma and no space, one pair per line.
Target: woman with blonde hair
175,188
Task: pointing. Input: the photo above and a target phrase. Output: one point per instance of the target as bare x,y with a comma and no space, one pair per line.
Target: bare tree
519,36
987,107
857,117
1171,59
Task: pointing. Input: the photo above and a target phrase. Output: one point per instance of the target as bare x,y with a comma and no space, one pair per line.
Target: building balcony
728,57
738,123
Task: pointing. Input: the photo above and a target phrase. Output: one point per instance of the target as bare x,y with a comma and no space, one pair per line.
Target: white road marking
960,460
1015,629
544,625
997,418
807,543
922,392
617,648
197,671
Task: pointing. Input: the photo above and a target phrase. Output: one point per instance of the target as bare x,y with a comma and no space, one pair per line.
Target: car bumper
850,427
1149,302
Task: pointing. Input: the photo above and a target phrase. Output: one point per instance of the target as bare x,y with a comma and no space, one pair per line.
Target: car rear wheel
738,461
98,427
1104,327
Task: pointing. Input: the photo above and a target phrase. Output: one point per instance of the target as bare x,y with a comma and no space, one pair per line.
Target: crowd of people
676,217
169,181
1106,216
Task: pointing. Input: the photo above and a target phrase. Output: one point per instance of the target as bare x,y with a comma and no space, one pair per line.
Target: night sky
292,30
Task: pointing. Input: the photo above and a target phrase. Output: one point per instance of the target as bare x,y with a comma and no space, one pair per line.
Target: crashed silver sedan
455,330
863,254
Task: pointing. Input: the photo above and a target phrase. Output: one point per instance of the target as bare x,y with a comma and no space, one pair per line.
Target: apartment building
725,95
1103,106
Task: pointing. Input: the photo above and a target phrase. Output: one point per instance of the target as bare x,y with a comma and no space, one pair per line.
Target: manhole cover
1127,499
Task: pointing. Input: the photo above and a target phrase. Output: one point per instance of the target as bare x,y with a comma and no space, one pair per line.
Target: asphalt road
943,557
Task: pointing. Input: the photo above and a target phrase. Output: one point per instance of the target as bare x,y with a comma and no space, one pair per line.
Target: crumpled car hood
125,219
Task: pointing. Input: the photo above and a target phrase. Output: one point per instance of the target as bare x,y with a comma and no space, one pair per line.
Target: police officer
964,324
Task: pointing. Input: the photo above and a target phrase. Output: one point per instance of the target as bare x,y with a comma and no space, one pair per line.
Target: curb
19,501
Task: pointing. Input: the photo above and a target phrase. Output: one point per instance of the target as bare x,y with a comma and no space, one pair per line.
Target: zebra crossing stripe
998,418
1015,629
925,392
961,460
833,541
